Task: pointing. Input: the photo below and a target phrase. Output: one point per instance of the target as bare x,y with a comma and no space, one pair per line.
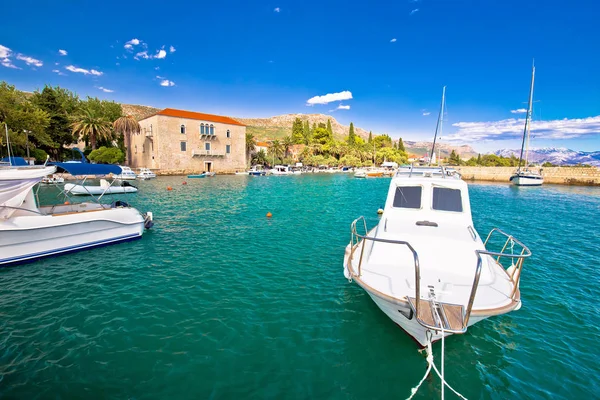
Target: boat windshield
446,199
408,197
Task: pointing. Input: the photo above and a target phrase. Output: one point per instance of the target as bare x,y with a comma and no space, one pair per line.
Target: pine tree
401,145
329,129
370,137
351,135
297,131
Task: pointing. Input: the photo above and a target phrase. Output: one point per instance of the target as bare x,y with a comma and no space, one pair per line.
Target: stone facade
163,147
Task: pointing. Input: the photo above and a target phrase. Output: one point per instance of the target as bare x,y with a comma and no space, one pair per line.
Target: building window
183,146
202,129
182,128
207,146
228,148
212,130
136,149
228,134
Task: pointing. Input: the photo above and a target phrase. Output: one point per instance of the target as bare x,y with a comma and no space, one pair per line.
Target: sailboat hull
527,180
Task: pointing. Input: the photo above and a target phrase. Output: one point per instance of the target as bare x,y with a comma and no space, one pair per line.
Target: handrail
21,209
402,242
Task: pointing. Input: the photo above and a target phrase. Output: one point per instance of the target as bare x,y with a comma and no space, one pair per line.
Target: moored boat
126,173
145,174
52,180
105,187
202,175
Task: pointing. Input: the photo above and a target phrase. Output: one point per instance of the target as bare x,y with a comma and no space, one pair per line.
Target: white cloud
426,113
5,54
519,111
342,107
160,77
277,9
172,49
414,11
73,68
393,40
328,98
133,42
513,129
157,68
29,60
142,54
167,82
105,90
161,54
62,52
56,71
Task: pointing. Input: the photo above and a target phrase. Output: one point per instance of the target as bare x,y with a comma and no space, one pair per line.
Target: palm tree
127,126
287,143
260,158
276,148
89,125
250,146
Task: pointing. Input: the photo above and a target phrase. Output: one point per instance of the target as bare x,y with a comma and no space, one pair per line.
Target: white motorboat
280,170
52,180
145,174
104,188
526,176
29,232
126,174
425,265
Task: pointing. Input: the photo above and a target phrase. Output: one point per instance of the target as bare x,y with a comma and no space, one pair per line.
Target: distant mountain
558,156
424,148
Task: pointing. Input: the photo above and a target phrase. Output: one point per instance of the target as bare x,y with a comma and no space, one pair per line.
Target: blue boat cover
78,168
15,161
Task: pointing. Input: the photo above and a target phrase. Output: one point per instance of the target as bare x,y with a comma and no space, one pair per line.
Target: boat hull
527,180
81,190
27,238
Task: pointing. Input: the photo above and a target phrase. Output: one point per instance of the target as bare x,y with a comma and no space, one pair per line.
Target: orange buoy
169,188
269,215
67,203
184,183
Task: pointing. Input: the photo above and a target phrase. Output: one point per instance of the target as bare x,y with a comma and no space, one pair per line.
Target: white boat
360,173
145,174
280,170
52,180
526,176
29,232
424,264
126,174
104,188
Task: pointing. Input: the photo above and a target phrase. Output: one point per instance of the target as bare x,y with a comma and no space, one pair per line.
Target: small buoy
269,215
380,211
184,183
67,203
169,188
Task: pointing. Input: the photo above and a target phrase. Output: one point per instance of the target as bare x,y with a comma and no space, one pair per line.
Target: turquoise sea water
219,302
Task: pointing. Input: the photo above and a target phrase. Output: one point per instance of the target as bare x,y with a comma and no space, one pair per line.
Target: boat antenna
438,127
527,121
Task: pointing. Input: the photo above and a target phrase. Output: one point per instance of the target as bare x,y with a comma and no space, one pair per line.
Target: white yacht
425,265
280,170
29,231
145,174
126,174
526,176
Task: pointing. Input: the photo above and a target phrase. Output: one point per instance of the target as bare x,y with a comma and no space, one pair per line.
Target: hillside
279,126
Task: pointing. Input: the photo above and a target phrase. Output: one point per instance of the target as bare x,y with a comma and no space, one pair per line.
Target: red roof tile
171,112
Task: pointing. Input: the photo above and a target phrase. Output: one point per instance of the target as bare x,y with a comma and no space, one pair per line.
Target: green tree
351,135
127,126
389,154
401,145
370,137
329,129
260,158
479,159
297,131
250,146
107,155
382,141
90,125
322,135
287,143
276,150
306,135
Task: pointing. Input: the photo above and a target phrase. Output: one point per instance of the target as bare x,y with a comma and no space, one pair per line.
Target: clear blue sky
259,59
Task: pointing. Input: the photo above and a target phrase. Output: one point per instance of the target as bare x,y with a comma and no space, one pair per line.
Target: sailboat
524,176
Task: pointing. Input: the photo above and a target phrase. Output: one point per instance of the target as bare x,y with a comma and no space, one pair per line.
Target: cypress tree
329,129
351,135
370,137
297,131
401,145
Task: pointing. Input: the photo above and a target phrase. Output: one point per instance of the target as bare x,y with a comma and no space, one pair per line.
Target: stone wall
558,175
159,146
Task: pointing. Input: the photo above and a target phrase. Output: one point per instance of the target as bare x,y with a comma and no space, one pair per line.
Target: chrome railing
515,276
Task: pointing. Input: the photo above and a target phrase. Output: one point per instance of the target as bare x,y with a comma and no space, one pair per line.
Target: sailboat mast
525,144
439,124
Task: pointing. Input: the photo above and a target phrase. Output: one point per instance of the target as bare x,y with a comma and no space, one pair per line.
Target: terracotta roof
262,144
171,112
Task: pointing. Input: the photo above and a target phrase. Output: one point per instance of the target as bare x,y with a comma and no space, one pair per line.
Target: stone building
181,142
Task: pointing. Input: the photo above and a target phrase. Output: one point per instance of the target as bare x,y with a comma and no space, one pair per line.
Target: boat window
408,197
446,199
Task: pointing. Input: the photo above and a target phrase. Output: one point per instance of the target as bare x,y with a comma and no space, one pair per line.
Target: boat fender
380,211
169,188
119,203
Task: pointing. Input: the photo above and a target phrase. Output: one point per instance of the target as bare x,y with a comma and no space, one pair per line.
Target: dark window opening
182,129
408,197
445,199
183,146
228,148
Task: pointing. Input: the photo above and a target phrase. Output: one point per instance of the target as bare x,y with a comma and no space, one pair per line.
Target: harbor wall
558,175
